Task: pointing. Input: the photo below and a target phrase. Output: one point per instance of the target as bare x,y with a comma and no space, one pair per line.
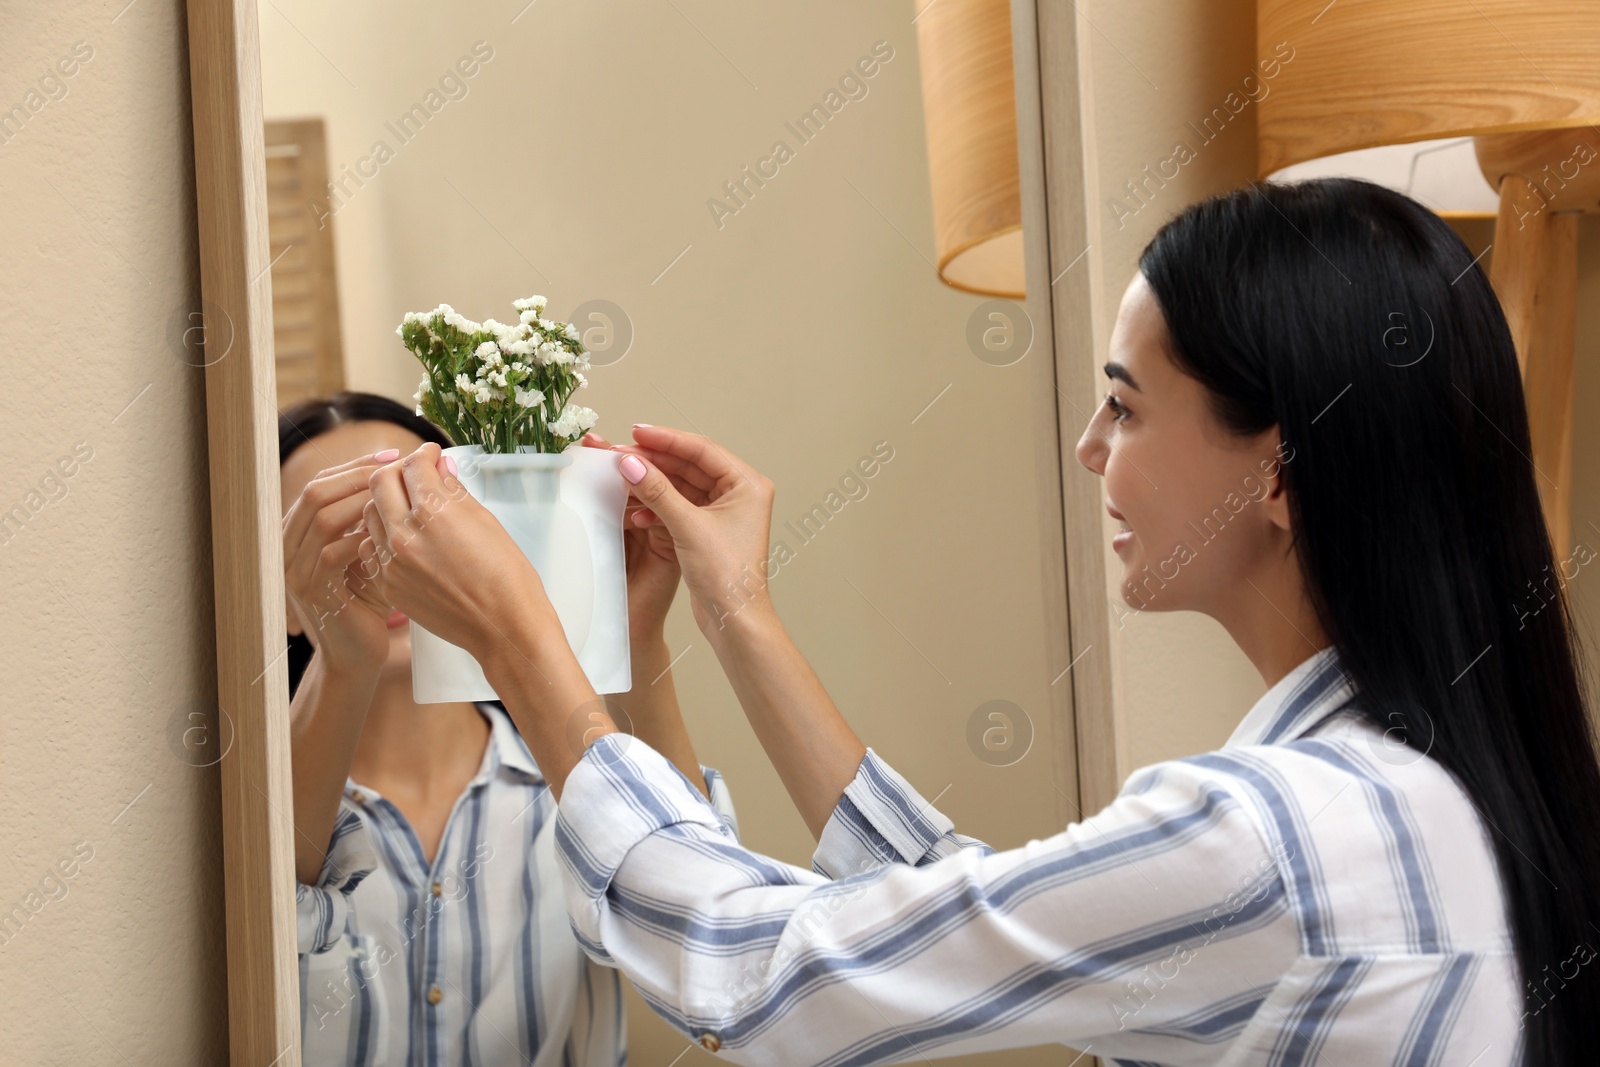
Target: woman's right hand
718,510
338,609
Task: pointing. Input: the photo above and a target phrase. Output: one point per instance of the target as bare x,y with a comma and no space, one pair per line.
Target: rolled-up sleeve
321,909
940,943
882,819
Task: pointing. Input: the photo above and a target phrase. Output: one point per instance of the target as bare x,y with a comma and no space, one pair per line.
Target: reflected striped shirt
470,959
1311,893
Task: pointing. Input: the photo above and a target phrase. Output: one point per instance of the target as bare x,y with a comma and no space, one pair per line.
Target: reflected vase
564,511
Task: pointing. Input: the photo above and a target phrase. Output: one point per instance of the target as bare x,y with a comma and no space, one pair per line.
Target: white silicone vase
564,511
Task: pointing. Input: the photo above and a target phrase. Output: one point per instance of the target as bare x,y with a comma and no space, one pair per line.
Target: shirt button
438,890
435,994
710,1042
359,797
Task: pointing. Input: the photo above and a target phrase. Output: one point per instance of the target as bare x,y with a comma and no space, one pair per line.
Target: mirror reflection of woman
431,922
1393,860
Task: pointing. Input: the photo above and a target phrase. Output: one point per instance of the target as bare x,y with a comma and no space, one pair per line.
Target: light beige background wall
108,618
807,328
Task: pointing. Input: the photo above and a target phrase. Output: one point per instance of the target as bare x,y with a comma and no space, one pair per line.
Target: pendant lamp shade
970,108
1378,72
1522,80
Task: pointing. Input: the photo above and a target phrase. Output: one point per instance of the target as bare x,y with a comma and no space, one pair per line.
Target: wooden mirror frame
246,532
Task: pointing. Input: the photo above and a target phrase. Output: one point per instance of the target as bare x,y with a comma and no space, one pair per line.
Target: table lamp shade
1374,72
970,111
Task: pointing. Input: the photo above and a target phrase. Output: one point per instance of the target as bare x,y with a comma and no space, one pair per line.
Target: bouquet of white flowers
496,385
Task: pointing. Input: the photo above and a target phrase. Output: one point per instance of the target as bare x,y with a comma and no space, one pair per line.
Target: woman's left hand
442,558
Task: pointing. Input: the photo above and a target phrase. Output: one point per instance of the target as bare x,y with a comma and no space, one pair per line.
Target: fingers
680,469
698,449
421,473
389,492
377,530
594,440
333,484
329,585
656,492
330,525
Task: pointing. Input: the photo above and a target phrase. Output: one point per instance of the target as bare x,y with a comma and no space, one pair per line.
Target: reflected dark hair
299,423
1354,320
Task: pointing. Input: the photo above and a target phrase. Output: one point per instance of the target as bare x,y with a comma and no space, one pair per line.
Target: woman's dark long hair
300,422
1355,320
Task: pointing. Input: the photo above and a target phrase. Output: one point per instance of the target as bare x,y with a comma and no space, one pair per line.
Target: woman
431,923
1315,434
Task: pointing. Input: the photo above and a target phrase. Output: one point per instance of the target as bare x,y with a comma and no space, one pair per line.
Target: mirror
731,207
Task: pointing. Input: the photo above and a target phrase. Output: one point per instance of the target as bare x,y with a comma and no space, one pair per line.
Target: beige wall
108,622
805,330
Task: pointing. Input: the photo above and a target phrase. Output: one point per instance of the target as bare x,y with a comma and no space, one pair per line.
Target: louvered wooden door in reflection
305,299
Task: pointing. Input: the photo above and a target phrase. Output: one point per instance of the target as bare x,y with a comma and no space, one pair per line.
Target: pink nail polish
388,455
642,426
450,461
632,469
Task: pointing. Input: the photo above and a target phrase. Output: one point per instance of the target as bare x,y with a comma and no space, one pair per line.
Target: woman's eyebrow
1118,371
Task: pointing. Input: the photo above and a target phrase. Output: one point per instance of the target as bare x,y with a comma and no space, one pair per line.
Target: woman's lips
398,618
1123,536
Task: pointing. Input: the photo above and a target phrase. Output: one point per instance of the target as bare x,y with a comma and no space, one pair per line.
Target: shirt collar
1300,700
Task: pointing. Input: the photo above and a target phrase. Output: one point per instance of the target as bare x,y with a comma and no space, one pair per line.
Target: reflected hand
445,560
342,613
653,570
717,511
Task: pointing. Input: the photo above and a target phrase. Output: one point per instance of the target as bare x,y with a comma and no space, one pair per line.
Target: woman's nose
1092,448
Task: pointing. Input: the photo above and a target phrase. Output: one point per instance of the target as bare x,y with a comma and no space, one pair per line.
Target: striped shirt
1313,892
469,960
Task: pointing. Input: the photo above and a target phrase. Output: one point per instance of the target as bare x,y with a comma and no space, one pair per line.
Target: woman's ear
1276,501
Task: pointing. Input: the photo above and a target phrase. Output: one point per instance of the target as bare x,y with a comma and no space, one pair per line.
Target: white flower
426,386
460,322
519,366
583,382
527,303
546,325
529,398
487,351
529,316
571,332
561,357
517,348
574,422
464,383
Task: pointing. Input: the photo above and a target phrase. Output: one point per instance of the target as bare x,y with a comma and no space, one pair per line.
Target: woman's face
1201,511
341,444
